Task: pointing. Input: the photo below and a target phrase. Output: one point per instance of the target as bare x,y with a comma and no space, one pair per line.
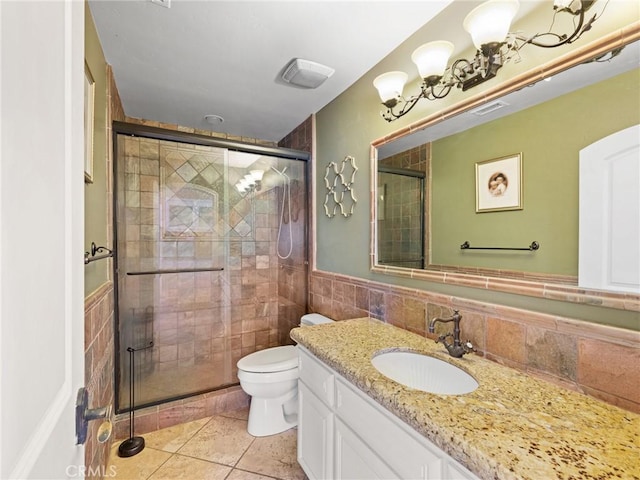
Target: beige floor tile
222,440
179,467
138,467
172,438
244,475
274,456
242,414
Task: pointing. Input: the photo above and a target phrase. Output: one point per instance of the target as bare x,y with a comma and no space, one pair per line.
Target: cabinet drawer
318,378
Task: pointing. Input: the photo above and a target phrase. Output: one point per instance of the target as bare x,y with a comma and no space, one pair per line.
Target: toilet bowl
270,377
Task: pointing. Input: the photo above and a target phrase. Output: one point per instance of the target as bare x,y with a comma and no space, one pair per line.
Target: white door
609,257
41,237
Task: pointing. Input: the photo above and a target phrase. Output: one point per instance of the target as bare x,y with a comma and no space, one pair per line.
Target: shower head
278,171
281,173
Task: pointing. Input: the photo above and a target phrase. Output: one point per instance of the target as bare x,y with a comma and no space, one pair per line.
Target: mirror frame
553,287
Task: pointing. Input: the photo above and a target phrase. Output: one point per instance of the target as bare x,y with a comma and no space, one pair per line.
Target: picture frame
499,184
89,100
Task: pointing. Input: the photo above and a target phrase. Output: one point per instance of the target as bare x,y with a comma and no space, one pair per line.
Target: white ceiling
178,64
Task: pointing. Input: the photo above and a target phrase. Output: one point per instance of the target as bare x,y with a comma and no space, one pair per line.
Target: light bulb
256,175
390,85
431,58
489,23
249,180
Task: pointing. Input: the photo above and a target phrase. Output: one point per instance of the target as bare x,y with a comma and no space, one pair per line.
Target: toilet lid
275,359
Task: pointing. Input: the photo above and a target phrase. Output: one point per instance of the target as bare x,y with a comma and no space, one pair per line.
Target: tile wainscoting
98,367
586,357
169,414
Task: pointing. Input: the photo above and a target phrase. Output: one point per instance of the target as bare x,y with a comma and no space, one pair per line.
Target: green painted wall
550,137
95,199
349,124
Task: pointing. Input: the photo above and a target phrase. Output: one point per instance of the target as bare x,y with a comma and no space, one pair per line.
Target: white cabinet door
315,435
354,460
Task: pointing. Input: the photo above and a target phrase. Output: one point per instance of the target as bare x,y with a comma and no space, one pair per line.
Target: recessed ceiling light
213,119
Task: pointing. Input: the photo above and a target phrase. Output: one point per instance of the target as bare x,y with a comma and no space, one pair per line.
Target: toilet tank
314,319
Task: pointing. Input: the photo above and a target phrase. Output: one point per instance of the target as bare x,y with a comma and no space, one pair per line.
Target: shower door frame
421,177
156,133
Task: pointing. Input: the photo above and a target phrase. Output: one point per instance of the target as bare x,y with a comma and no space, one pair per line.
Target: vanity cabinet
344,434
315,434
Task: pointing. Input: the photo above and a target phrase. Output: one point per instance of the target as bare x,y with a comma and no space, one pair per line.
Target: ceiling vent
489,107
305,73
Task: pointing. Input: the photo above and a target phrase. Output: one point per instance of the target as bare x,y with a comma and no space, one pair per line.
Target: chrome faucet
457,348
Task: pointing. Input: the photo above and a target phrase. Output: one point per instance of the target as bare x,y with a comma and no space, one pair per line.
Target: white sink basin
424,373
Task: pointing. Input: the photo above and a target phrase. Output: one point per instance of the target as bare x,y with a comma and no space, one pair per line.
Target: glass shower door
207,271
400,222
173,279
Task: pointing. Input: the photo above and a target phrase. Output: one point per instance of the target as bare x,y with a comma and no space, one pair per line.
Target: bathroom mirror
526,117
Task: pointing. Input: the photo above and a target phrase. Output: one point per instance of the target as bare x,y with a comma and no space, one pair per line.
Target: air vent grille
489,107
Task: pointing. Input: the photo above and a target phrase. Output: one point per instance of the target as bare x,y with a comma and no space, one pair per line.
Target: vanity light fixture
251,181
488,24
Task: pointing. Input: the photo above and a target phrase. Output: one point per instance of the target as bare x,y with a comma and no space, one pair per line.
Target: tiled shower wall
182,211
292,279
291,304
596,360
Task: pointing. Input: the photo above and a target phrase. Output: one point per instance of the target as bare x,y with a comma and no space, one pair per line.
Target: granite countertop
512,426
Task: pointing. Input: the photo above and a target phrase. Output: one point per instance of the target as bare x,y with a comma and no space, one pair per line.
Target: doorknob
84,415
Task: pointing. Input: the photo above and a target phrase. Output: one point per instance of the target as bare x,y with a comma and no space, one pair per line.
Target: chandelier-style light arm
407,105
460,69
488,24
563,39
429,91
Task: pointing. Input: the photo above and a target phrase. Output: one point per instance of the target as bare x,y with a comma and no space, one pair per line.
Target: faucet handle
468,347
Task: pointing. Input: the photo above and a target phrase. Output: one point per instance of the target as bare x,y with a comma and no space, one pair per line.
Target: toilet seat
275,359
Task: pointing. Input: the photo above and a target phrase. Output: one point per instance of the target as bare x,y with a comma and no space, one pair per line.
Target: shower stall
211,258
401,217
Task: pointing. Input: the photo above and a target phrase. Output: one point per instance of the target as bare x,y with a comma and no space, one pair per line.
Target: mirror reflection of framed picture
89,98
499,184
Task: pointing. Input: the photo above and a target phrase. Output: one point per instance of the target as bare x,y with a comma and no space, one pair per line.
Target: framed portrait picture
499,184
89,98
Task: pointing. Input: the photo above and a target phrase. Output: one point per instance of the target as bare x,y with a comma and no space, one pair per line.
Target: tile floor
213,448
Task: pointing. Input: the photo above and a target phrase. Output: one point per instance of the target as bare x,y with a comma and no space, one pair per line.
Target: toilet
270,377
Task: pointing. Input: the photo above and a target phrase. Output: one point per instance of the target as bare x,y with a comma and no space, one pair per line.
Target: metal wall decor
339,179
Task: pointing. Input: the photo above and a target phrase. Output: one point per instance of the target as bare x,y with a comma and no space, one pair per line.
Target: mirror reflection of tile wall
400,234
